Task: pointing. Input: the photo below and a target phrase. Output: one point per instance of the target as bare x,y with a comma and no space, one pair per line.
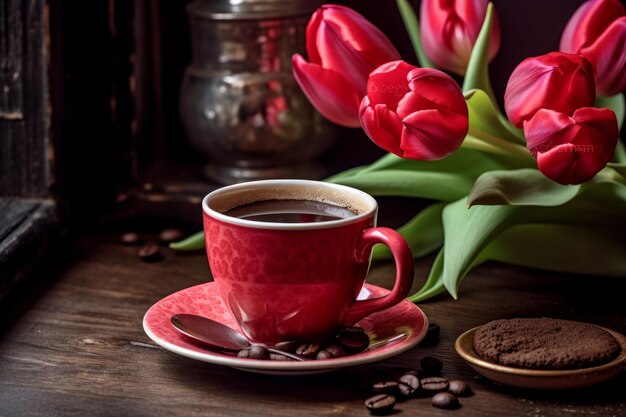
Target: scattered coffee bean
386,387
431,366
445,400
432,334
150,253
244,353
308,350
434,384
408,384
289,346
380,404
353,339
170,235
332,351
258,352
460,388
131,239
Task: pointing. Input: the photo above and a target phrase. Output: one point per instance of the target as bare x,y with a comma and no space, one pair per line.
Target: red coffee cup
298,281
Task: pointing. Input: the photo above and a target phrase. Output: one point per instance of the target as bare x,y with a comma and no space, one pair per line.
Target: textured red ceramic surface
296,284
404,322
283,284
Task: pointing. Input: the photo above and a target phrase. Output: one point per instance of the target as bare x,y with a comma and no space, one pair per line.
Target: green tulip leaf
619,167
347,173
191,243
467,232
617,103
403,183
477,74
412,27
522,187
578,249
468,162
484,116
423,233
434,283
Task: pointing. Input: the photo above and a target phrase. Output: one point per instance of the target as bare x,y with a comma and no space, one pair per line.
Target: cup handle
405,269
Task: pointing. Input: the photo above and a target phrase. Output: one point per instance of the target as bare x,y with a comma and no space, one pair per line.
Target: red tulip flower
597,30
343,48
556,81
449,28
415,113
571,150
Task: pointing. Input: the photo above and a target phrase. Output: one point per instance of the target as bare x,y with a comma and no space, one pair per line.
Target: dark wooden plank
80,348
28,230
24,165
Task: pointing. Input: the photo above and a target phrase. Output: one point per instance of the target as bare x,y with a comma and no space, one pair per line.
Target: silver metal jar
239,102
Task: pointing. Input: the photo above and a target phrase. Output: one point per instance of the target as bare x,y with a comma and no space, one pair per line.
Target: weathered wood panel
24,165
28,230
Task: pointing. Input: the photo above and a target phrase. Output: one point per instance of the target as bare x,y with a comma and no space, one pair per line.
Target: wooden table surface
76,347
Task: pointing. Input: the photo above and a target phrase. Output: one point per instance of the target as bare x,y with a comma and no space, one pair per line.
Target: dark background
116,69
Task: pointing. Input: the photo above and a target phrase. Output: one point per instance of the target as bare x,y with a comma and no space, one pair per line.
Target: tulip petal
438,88
360,34
338,56
449,30
431,134
608,53
311,29
387,84
588,22
560,165
571,150
381,125
540,131
328,92
557,81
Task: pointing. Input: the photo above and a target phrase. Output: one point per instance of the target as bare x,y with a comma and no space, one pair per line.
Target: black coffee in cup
290,211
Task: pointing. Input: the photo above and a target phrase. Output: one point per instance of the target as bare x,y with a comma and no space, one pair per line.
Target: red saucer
391,332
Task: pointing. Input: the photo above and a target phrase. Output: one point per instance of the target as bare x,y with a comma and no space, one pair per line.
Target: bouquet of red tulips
542,184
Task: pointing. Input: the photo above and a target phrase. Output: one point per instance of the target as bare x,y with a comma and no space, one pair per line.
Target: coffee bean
288,346
432,334
445,400
434,384
408,384
131,239
460,388
380,404
332,351
386,387
170,235
308,350
431,366
150,253
353,339
258,352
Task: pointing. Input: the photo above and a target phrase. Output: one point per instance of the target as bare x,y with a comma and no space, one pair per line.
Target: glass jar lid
250,9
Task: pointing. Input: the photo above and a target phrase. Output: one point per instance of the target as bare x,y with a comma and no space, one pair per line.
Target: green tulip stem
484,142
412,27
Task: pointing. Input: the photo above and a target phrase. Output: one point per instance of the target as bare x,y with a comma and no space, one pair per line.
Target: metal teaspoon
218,335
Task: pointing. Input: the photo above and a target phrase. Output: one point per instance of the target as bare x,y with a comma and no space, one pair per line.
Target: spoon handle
287,354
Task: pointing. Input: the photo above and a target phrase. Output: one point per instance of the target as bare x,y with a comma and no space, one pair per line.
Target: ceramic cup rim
352,193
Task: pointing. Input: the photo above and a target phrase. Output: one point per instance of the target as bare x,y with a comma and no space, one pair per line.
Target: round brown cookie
545,343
